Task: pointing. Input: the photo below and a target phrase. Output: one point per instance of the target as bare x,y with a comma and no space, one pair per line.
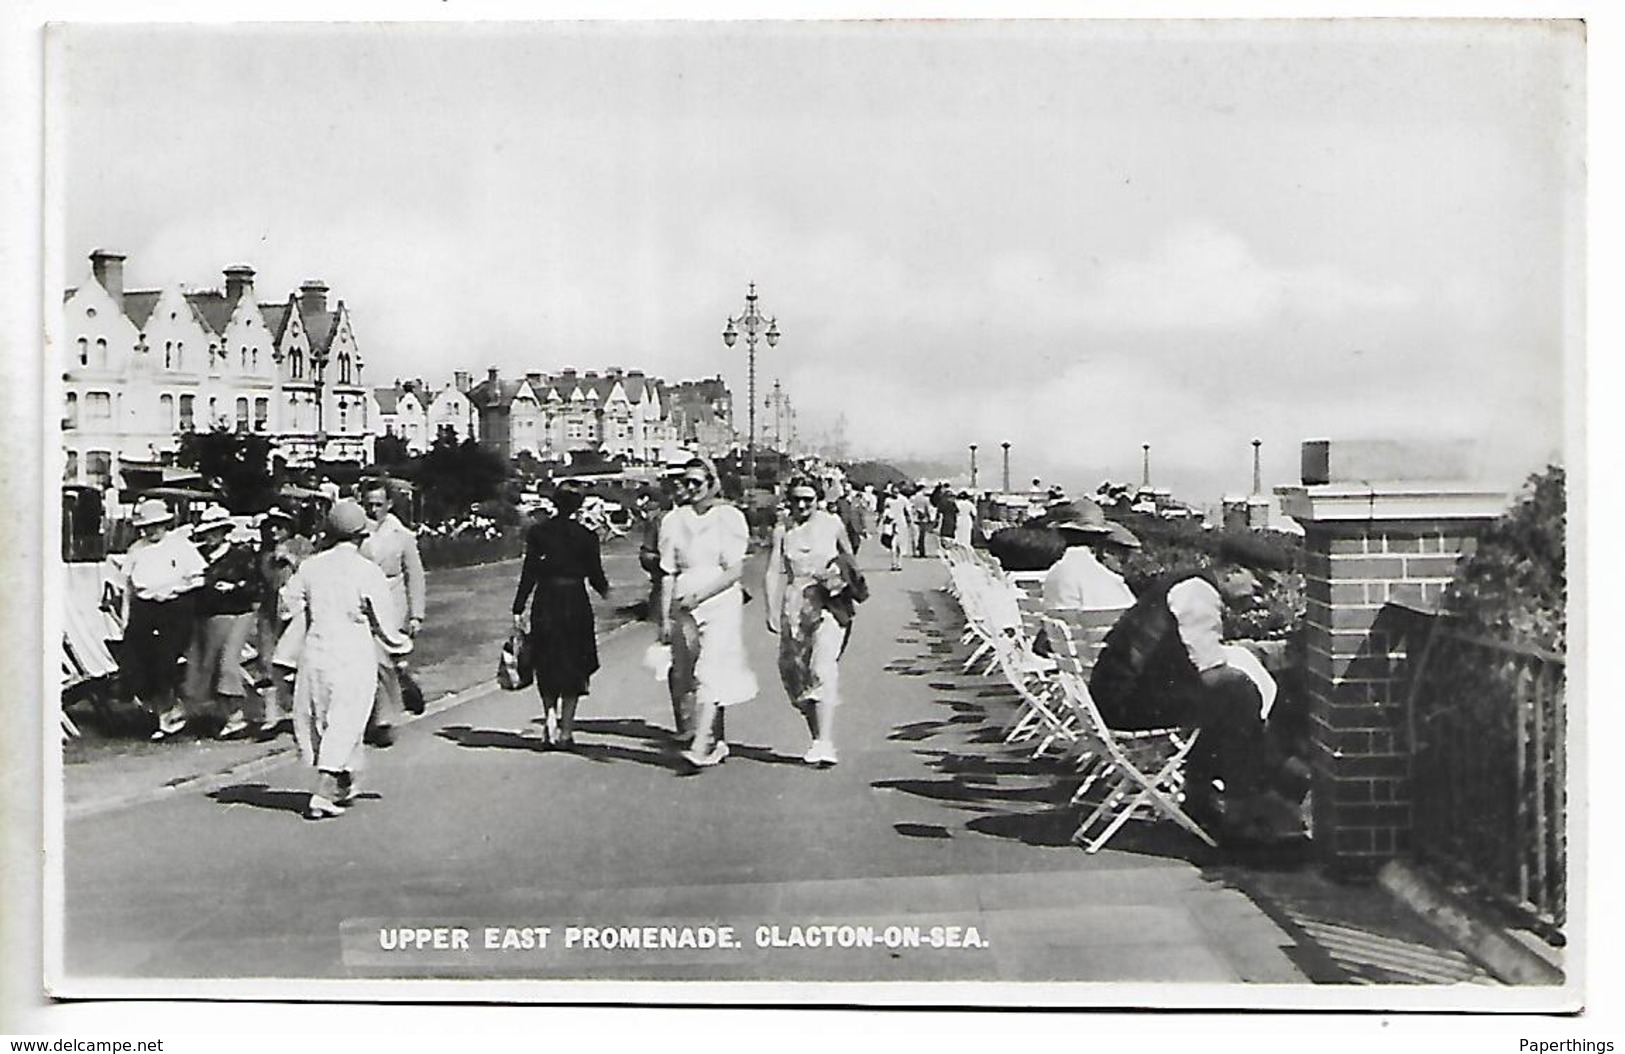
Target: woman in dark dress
561,556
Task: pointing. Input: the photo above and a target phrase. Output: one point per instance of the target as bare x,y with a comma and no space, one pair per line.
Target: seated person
1164,665
1081,580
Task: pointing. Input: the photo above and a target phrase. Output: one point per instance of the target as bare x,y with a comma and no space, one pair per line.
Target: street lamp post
1145,465
1258,479
753,325
1006,447
973,466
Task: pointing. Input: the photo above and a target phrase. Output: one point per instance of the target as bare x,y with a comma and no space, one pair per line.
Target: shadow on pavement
649,747
262,796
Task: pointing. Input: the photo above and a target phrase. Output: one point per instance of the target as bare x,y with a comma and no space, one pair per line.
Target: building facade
142,367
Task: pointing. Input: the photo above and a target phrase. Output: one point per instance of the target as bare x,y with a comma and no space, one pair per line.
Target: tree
390,450
238,463
1515,585
457,475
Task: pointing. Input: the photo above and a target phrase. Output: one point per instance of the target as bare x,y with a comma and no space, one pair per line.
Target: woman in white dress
337,603
896,526
803,577
702,553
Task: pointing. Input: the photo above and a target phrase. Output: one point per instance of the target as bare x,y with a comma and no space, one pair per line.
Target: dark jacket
231,583
1144,677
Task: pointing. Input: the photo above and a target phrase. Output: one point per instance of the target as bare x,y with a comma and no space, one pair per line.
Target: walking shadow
649,751
262,796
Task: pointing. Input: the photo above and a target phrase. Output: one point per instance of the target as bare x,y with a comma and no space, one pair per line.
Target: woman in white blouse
702,554
803,576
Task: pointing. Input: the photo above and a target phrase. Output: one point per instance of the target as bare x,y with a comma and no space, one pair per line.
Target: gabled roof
319,325
138,305
276,316
212,309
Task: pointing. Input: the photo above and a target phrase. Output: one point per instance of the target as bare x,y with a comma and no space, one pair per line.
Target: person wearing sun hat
340,602
1082,579
162,572
281,553
215,684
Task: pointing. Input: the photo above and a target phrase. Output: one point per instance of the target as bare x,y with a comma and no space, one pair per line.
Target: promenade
928,821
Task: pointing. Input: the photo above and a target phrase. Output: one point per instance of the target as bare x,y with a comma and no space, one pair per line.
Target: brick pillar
1372,550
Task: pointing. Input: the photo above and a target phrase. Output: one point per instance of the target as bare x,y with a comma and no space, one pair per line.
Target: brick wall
1374,554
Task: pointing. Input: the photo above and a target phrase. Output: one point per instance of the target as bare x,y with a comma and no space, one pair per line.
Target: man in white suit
394,548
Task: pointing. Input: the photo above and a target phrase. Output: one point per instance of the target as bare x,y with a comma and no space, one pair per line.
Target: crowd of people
333,617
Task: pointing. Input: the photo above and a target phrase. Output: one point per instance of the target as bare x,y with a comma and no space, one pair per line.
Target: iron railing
1489,770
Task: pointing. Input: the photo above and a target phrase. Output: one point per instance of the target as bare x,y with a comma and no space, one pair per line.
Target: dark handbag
411,691
857,587
514,663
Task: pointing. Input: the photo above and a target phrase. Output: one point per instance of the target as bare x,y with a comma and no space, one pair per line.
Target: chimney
534,380
108,268
615,373
239,283
569,373
313,297
636,373
491,376
592,375
460,381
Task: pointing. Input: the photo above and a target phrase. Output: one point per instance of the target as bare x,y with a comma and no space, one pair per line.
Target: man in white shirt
394,548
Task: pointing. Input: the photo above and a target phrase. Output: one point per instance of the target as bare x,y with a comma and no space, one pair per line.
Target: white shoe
820,753
322,809
231,727
718,754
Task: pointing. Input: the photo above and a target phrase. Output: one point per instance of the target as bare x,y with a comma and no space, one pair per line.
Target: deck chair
1126,774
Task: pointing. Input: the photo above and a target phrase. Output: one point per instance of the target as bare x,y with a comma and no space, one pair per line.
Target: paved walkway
927,822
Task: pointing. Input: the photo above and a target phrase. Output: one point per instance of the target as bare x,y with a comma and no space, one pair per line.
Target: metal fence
1489,771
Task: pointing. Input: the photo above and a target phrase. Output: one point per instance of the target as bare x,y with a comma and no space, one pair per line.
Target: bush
1515,585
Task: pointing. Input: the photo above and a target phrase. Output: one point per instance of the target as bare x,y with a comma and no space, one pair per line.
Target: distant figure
920,500
896,526
964,518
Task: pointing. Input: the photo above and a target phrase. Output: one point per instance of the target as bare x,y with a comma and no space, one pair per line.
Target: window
180,355
70,470
344,413
98,406
254,358
70,416
169,354
262,414
242,415
101,353
99,468
214,412
344,369
166,412
188,422
242,357
84,352
296,363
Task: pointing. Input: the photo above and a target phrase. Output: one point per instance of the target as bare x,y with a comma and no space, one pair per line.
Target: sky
1075,237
